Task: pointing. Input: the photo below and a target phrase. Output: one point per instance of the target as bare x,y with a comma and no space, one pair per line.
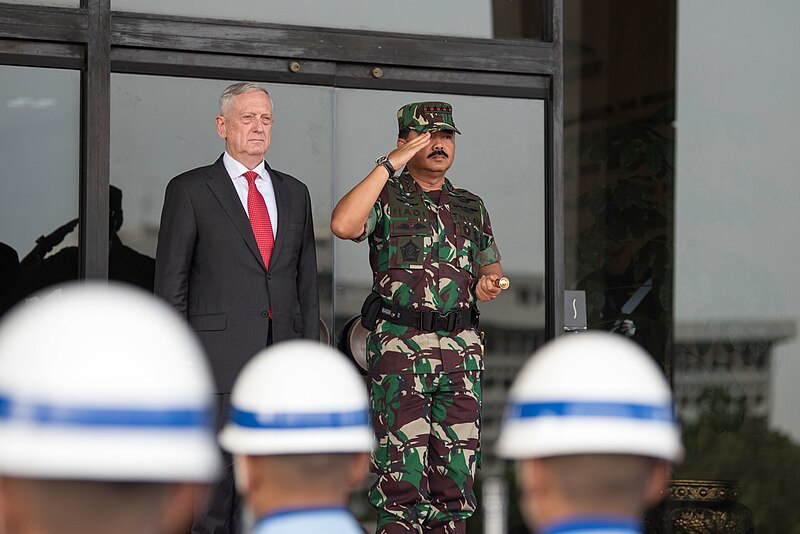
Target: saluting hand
403,154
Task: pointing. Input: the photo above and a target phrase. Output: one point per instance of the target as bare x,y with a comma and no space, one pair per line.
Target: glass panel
40,111
737,302
463,18
619,143
499,157
161,127
682,189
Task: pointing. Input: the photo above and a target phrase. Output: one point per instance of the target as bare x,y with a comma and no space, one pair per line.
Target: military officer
433,256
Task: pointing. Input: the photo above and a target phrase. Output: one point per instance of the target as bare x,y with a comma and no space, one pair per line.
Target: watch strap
384,160
388,167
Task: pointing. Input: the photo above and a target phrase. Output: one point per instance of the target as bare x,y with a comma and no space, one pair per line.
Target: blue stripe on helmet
47,415
5,407
531,410
295,421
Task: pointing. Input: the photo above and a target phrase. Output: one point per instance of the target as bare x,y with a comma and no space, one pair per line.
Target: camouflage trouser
428,432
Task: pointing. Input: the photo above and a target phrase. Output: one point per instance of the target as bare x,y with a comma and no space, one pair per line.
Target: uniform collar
410,186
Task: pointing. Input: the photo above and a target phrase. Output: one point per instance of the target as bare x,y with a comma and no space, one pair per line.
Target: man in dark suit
236,256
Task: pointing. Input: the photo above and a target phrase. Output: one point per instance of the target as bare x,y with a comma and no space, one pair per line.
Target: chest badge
410,252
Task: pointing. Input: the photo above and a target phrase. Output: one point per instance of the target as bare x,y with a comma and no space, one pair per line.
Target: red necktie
259,221
259,218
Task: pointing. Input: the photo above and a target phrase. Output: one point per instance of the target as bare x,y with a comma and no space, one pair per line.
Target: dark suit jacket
209,268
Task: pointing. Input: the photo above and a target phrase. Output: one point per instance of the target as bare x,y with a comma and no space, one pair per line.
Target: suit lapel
282,201
221,185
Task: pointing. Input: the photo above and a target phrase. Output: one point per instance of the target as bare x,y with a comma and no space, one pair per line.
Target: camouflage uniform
425,387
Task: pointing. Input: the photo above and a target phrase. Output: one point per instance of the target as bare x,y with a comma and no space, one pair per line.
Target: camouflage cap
426,117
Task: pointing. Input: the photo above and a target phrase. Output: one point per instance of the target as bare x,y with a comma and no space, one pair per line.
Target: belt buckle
452,318
442,321
427,321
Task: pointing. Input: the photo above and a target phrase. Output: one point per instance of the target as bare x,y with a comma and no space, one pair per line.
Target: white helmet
590,393
103,382
298,397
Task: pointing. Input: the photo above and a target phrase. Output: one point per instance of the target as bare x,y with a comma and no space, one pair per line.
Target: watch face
381,160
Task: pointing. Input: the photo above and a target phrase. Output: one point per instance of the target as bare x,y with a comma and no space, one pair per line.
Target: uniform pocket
410,243
467,245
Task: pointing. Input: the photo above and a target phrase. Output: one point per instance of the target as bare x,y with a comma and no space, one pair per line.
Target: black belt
429,321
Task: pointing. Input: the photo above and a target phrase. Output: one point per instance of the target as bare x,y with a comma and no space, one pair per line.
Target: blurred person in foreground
106,421
591,426
300,439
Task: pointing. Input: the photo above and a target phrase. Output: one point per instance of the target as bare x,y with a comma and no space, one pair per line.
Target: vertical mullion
548,20
95,142
554,183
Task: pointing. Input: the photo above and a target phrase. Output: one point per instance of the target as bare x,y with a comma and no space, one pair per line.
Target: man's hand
403,154
57,236
485,288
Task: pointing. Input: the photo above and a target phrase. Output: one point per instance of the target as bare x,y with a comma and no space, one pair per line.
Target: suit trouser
222,512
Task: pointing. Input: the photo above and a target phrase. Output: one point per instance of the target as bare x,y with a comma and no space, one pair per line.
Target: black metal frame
98,41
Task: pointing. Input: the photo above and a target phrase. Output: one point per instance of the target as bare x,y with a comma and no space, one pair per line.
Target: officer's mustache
438,153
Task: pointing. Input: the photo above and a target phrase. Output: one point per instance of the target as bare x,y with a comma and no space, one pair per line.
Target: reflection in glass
464,18
124,263
40,111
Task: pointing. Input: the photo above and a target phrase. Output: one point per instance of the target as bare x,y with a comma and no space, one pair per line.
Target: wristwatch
384,160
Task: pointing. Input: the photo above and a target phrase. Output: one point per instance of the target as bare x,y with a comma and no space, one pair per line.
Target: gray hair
238,89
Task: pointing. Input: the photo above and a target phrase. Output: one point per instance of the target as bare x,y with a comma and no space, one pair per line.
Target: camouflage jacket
427,256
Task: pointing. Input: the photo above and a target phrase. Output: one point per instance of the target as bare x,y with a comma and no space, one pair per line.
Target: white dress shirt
264,184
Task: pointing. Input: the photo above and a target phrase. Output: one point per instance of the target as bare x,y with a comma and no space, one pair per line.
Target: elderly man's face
246,127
